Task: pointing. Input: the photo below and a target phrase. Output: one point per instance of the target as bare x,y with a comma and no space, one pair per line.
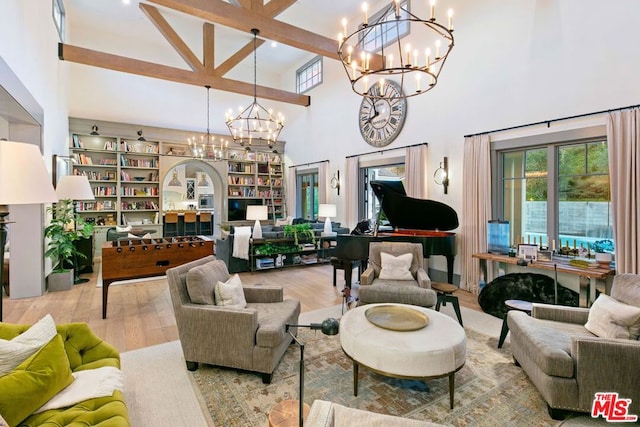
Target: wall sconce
335,182
441,175
141,136
94,130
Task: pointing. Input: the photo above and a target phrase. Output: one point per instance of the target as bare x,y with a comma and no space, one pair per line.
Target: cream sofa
329,414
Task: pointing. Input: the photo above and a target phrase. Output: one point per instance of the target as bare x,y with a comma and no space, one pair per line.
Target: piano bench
346,265
445,294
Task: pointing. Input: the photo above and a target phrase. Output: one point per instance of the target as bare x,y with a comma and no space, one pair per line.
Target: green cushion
34,382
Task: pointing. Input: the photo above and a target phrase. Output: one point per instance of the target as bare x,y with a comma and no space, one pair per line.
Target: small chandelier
395,61
206,147
255,125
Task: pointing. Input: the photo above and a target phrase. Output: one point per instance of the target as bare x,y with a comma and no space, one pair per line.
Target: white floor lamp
75,188
24,180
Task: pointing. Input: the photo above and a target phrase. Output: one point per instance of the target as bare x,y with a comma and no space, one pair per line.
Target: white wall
29,48
514,62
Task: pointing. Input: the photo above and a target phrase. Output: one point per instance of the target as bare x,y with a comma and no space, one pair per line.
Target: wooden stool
171,224
513,304
190,226
445,294
204,225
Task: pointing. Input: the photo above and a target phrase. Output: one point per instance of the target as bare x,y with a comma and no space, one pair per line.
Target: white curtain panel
323,182
416,171
476,208
350,186
623,134
291,192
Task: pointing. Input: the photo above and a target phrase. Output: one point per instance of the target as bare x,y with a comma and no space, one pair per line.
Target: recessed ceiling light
274,44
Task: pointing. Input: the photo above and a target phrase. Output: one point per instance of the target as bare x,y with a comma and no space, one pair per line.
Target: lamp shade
257,212
74,187
24,178
327,211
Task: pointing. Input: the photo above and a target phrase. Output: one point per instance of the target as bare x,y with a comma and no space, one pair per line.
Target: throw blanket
241,236
89,384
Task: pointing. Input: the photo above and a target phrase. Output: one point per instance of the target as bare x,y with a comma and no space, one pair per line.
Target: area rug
489,390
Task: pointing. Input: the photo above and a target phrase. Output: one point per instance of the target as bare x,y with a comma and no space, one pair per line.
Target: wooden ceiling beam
257,5
172,37
276,7
109,61
208,48
236,58
243,19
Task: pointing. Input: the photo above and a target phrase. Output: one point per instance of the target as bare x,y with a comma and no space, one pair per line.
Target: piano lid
408,212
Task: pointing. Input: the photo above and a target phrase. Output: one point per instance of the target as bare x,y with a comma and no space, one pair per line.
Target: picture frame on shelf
528,251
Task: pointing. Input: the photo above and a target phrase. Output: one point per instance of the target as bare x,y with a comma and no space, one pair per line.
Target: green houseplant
61,249
604,251
299,231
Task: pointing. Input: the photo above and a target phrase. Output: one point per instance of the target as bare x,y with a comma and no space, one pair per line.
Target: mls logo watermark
612,408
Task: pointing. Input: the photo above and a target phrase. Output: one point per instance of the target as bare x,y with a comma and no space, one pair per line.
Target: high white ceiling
110,18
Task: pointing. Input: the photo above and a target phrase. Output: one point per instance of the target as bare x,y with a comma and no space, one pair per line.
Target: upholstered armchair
395,275
570,354
252,337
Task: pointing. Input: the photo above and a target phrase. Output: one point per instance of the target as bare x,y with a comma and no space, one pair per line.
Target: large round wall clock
381,119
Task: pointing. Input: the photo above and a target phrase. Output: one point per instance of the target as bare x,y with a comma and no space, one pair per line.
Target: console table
589,278
279,253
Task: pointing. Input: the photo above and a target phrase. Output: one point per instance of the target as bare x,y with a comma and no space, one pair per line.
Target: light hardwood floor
140,313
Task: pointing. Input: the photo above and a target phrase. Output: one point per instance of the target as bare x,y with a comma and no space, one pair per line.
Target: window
380,36
558,191
371,204
308,194
59,17
309,75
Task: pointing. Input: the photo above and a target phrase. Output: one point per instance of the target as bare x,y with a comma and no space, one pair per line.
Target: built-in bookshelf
124,176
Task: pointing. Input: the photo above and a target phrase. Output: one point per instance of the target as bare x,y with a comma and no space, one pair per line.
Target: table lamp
327,211
24,180
257,213
328,326
75,188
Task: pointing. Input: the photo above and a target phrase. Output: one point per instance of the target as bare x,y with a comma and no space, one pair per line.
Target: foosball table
127,259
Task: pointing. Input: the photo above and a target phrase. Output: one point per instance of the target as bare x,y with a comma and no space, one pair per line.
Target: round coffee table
435,351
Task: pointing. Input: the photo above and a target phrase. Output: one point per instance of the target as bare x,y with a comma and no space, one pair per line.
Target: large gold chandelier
415,68
255,126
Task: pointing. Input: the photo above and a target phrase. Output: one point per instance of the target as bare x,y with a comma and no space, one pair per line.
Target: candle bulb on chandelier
365,81
428,55
349,52
418,82
438,49
344,26
433,10
408,48
354,65
390,61
368,59
397,8
340,38
415,58
364,10
450,13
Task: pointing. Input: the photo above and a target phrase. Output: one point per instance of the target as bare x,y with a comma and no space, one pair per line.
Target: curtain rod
387,149
548,122
308,164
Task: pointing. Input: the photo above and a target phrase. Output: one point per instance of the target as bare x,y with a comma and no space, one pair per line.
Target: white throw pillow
609,318
123,229
396,267
14,352
230,293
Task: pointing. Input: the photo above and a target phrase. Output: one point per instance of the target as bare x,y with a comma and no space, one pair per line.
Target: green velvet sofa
84,350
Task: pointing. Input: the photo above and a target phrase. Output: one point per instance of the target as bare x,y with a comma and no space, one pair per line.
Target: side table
513,304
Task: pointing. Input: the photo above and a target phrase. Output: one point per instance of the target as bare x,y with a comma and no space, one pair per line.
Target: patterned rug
489,390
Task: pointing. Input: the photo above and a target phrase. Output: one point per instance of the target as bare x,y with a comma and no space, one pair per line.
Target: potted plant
604,251
61,249
298,231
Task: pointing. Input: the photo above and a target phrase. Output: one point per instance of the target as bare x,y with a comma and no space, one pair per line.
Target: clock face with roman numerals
381,119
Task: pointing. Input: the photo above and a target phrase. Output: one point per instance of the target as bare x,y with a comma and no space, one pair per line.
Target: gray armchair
567,363
251,338
373,289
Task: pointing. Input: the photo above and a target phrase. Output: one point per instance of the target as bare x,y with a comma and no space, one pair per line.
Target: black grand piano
412,220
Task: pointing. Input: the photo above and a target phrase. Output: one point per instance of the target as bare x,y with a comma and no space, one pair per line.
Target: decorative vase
604,259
